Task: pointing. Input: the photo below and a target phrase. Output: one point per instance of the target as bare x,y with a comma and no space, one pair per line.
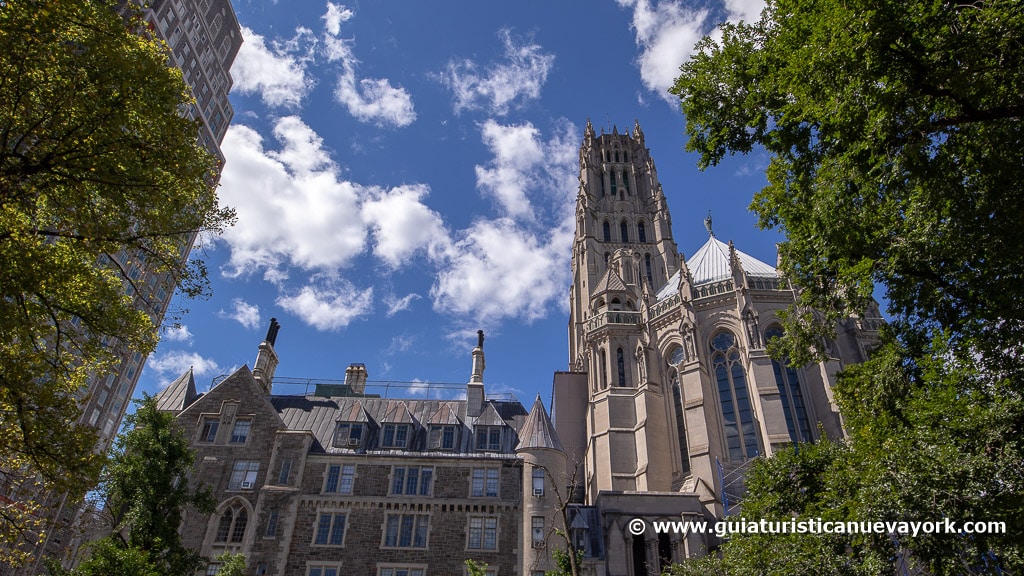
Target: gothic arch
230,524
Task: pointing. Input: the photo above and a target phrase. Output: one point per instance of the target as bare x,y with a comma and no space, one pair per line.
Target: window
641,232
650,274
401,571
624,231
240,434
537,529
604,369
620,360
485,482
737,416
488,438
395,436
680,412
286,468
232,523
212,568
243,475
340,478
271,525
442,437
791,395
330,530
406,531
411,480
348,434
209,430
322,570
538,481
607,229
483,533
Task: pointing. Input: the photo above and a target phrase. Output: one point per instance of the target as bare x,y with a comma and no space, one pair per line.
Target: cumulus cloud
330,304
276,72
336,14
402,224
667,31
292,206
170,365
246,314
519,77
178,333
515,265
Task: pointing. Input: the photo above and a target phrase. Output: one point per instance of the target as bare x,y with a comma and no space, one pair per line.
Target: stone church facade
669,395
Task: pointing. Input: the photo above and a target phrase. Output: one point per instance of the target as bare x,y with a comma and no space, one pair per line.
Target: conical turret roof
538,431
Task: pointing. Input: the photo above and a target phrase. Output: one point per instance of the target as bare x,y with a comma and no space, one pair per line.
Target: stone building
670,393
345,482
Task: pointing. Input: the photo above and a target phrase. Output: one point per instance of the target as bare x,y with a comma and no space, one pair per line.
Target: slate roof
178,395
538,431
711,263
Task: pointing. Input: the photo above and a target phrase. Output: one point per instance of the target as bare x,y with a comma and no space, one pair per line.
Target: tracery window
232,524
624,231
620,360
792,396
737,414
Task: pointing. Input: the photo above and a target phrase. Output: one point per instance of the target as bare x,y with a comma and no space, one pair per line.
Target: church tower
622,252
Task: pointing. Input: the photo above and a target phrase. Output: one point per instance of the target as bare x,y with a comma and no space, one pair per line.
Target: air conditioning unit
540,544
538,492
353,441
247,485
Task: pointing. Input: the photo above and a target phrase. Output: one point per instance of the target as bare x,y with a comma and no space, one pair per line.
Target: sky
404,174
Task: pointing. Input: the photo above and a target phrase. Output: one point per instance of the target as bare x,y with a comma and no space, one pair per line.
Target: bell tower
623,253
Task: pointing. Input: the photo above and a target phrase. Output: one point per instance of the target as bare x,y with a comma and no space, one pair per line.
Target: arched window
624,231
647,266
616,155
737,415
232,524
620,359
607,229
625,180
641,232
625,156
614,178
792,397
677,397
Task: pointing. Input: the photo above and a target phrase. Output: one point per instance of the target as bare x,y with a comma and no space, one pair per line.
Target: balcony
620,317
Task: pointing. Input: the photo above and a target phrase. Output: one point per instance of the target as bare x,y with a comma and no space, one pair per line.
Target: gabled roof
538,431
490,417
711,263
444,415
399,414
354,413
178,395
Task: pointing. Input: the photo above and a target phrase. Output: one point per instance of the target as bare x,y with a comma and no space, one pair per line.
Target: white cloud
402,224
368,99
176,362
375,100
178,333
516,265
246,314
330,304
292,206
519,77
396,304
277,73
667,32
418,387
336,14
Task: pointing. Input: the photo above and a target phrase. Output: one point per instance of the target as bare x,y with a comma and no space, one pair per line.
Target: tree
895,133
474,569
232,564
146,490
100,172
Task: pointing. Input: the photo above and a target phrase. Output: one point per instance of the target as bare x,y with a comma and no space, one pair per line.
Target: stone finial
707,224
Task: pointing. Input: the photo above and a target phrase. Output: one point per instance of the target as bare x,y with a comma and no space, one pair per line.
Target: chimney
355,378
475,388
266,358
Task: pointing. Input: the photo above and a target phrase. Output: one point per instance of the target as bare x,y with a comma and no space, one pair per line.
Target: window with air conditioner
243,475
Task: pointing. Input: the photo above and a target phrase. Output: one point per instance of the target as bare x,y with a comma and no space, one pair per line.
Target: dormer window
394,436
348,434
488,438
443,437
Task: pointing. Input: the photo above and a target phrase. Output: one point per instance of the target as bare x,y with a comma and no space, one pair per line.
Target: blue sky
404,174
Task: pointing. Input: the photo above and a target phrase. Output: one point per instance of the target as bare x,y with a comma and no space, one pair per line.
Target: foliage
99,173
475,569
895,136
564,563
234,565
146,489
894,130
